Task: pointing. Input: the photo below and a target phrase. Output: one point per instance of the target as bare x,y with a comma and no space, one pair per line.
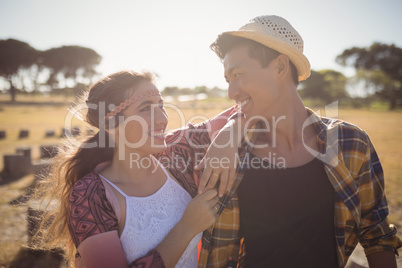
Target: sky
172,37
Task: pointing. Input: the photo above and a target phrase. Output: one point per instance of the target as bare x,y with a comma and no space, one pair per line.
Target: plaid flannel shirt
354,170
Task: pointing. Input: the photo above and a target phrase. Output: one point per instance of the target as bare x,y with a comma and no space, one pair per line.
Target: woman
118,206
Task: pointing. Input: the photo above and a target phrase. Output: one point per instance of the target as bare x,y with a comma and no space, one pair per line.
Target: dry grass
12,218
384,128
36,119
385,131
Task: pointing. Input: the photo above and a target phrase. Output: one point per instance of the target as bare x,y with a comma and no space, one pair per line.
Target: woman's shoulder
91,189
90,211
87,184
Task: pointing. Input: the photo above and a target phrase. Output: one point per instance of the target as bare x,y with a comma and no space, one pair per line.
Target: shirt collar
320,129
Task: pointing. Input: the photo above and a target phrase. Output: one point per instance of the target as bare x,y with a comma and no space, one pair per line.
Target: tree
70,62
382,85
380,65
201,89
326,85
171,91
14,56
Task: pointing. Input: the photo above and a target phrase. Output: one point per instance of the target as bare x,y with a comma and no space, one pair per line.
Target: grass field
384,128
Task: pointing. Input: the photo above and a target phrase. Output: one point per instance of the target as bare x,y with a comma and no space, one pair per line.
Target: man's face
254,88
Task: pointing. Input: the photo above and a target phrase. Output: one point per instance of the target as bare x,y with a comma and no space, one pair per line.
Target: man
311,187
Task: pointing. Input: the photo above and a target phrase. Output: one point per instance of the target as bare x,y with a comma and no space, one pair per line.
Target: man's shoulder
350,136
194,136
345,127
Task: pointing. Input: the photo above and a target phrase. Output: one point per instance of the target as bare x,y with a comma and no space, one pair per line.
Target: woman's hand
199,215
201,212
221,158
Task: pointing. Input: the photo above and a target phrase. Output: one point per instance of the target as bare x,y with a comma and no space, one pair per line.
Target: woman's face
145,121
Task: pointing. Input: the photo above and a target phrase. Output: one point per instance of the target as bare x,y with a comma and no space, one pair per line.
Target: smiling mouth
243,103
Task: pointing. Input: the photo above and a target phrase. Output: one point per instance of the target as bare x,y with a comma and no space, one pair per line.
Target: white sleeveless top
149,219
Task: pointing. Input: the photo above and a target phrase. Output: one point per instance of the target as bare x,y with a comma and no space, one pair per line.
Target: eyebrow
146,102
231,69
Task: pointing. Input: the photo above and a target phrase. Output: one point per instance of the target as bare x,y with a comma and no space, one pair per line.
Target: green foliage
15,55
70,62
19,62
171,91
380,66
211,92
325,85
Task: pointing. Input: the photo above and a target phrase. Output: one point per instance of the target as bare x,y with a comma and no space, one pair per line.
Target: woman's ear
112,131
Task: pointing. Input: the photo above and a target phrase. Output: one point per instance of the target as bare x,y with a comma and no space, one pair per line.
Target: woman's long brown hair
74,162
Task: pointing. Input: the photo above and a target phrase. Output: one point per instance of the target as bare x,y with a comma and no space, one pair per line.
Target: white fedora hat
277,33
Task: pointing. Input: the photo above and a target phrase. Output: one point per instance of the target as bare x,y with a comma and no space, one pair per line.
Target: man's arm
219,121
376,234
187,146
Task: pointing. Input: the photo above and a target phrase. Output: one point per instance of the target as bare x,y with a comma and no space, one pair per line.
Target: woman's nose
161,117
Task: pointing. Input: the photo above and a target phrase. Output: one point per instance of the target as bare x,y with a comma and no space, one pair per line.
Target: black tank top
287,216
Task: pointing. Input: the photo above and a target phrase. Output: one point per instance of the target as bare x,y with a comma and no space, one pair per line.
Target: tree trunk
13,93
13,90
392,104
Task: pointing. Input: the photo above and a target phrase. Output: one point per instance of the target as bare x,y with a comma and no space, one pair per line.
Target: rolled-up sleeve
375,232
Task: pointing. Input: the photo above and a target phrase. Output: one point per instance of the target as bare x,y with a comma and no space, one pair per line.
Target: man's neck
286,120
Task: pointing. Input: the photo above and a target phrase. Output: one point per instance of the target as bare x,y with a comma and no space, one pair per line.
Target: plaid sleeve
375,232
